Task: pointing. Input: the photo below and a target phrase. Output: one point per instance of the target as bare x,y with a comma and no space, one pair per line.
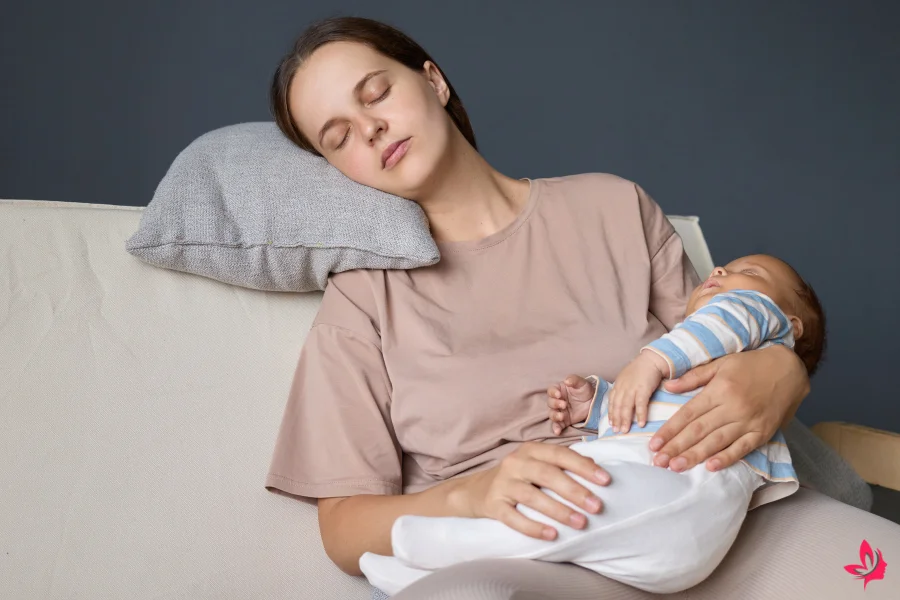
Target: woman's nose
372,127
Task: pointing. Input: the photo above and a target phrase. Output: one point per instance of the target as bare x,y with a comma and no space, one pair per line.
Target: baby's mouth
708,285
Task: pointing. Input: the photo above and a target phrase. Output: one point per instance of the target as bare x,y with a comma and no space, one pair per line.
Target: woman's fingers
567,459
672,438
516,520
736,451
707,434
532,497
717,440
694,378
551,477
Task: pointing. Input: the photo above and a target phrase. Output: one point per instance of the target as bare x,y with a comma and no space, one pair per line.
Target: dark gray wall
776,122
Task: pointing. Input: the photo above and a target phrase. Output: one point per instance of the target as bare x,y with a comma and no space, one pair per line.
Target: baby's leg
629,540
680,543
387,573
433,543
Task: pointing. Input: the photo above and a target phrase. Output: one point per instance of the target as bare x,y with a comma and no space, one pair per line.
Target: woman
424,391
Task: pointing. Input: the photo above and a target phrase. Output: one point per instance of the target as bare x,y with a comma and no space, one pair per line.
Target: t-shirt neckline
500,235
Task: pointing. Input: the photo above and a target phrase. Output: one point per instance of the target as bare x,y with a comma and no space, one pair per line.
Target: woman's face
355,105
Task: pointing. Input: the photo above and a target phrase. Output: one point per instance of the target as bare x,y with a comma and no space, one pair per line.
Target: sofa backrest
139,408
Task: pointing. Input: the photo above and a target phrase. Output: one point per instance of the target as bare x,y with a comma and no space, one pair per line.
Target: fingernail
678,464
548,533
615,429
577,520
593,504
655,444
661,460
715,464
602,477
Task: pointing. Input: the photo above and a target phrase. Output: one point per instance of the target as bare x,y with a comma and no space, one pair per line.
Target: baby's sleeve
336,438
731,322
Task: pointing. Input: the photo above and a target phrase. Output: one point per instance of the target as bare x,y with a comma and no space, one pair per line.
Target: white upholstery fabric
138,411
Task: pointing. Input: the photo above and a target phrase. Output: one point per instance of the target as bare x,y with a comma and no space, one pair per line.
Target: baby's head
780,282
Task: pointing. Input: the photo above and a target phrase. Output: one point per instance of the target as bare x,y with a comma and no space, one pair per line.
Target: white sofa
138,411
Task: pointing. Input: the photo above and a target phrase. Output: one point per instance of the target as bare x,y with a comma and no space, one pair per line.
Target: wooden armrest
873,453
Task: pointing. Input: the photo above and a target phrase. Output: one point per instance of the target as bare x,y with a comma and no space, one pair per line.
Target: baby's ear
797,325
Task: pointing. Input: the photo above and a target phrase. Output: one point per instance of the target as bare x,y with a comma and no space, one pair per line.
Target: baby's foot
569,401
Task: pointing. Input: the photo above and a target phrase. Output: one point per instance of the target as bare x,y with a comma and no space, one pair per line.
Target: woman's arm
354,525
748,396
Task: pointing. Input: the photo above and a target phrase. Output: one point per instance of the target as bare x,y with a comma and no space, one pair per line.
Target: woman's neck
471,200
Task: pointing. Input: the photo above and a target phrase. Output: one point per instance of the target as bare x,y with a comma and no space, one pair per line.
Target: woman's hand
747,397
495,492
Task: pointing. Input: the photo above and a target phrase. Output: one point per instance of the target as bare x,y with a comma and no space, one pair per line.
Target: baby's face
760,272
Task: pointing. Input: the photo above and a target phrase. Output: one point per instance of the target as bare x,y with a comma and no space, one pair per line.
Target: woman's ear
437,81
797,325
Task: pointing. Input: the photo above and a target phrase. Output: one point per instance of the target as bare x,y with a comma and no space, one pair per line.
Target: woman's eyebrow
356,91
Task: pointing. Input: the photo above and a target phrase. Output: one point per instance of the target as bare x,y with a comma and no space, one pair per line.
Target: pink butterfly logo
871,565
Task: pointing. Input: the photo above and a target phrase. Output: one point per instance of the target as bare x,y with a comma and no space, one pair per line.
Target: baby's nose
719,272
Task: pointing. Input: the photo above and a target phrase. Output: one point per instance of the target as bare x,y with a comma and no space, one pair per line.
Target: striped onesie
731,322
659,530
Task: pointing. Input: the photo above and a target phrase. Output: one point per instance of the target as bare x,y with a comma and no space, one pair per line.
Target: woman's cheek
358,167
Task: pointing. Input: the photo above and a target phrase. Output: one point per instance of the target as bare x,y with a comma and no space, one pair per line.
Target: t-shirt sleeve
336,437
672,275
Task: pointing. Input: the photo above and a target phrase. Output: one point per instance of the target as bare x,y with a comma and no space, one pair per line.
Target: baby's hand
569,401
633,388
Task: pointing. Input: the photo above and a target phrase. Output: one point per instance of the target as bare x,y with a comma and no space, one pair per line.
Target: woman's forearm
354,525
800,389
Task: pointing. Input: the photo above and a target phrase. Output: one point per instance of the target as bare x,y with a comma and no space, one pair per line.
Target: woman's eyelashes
375,101
382,96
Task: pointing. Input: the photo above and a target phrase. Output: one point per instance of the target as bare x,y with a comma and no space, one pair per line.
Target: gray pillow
245,206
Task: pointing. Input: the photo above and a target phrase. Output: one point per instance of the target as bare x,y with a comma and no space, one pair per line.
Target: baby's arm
732,321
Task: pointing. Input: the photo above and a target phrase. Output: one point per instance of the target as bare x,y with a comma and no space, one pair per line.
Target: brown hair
378,36
811,345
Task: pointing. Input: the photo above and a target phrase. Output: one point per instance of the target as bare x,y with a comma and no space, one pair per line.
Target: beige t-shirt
411,377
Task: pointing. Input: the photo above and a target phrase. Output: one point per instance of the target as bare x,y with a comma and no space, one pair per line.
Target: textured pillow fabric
245,206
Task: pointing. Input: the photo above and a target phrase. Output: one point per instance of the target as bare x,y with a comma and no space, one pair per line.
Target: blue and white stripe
734,321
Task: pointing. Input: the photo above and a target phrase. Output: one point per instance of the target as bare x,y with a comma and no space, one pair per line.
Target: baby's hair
811,345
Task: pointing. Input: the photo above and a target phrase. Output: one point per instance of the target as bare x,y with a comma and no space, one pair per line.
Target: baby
659,530
730,323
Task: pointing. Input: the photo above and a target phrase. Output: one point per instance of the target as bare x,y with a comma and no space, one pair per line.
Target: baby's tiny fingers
642,410
628,415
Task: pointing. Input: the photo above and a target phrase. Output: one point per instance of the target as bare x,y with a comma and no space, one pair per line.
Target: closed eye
343,141
375,101
382,96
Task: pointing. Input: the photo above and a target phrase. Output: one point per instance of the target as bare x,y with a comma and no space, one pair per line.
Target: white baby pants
659,530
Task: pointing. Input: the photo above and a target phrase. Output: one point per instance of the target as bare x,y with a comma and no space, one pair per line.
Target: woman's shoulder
599,192
351,302
594,187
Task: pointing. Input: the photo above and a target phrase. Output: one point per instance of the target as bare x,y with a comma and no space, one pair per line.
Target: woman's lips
393,153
